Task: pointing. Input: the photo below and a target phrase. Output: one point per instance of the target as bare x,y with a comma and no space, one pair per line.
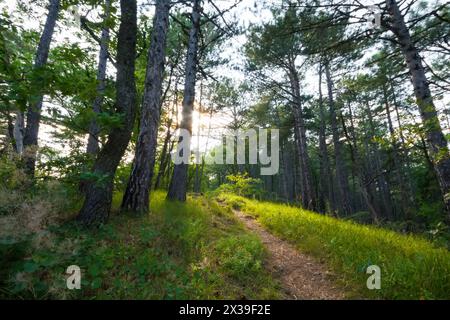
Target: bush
12,177
243,185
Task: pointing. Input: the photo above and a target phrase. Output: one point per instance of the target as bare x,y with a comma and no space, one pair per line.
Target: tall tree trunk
164,155
10,130
358,171
341,171
197,178
285,176
179,181
30,140
326,180
283,180
94,130
164,163
380,175
197,183
137,193
292,178
97,203
359,200
396,158
411,189
436,142
206,147
169,166
19,127
308,194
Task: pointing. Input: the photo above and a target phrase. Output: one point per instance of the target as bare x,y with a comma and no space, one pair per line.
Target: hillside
200,250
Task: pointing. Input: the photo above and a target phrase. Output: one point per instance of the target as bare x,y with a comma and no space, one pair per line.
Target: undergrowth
195,250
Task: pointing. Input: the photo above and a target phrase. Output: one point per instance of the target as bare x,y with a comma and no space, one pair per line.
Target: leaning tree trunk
341,171
94,130
436,142
136,196
30,139
97,203
178,183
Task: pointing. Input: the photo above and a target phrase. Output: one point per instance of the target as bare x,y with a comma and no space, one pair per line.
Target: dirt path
301,277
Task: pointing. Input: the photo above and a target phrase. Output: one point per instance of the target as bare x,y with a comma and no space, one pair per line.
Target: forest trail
301,277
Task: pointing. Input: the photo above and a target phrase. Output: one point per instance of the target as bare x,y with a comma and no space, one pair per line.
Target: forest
210,150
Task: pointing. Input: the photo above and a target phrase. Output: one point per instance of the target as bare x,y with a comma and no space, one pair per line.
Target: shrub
12,177
243,185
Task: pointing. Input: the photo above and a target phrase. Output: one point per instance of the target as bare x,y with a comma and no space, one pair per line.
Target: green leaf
96,283
30,266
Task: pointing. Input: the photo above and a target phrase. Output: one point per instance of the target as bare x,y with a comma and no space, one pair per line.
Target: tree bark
164,163
165,156
30,140
375,162
197,181
94,130
206,148
396,158
352,133
436,142
358,171
179,181
136,196
285,173
19,126
410,184
97,203
308,194
10,130
341,171
326,180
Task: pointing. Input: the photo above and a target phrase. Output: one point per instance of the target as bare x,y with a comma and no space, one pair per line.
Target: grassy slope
411,267
192,251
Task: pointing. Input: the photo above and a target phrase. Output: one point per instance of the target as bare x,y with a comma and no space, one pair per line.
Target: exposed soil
301,277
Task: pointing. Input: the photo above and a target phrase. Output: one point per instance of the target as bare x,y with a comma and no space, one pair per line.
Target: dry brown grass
23,214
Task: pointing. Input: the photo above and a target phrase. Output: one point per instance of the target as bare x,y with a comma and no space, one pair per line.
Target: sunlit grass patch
411,267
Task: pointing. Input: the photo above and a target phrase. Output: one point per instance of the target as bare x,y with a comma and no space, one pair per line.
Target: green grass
195,250
411,267
199,250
